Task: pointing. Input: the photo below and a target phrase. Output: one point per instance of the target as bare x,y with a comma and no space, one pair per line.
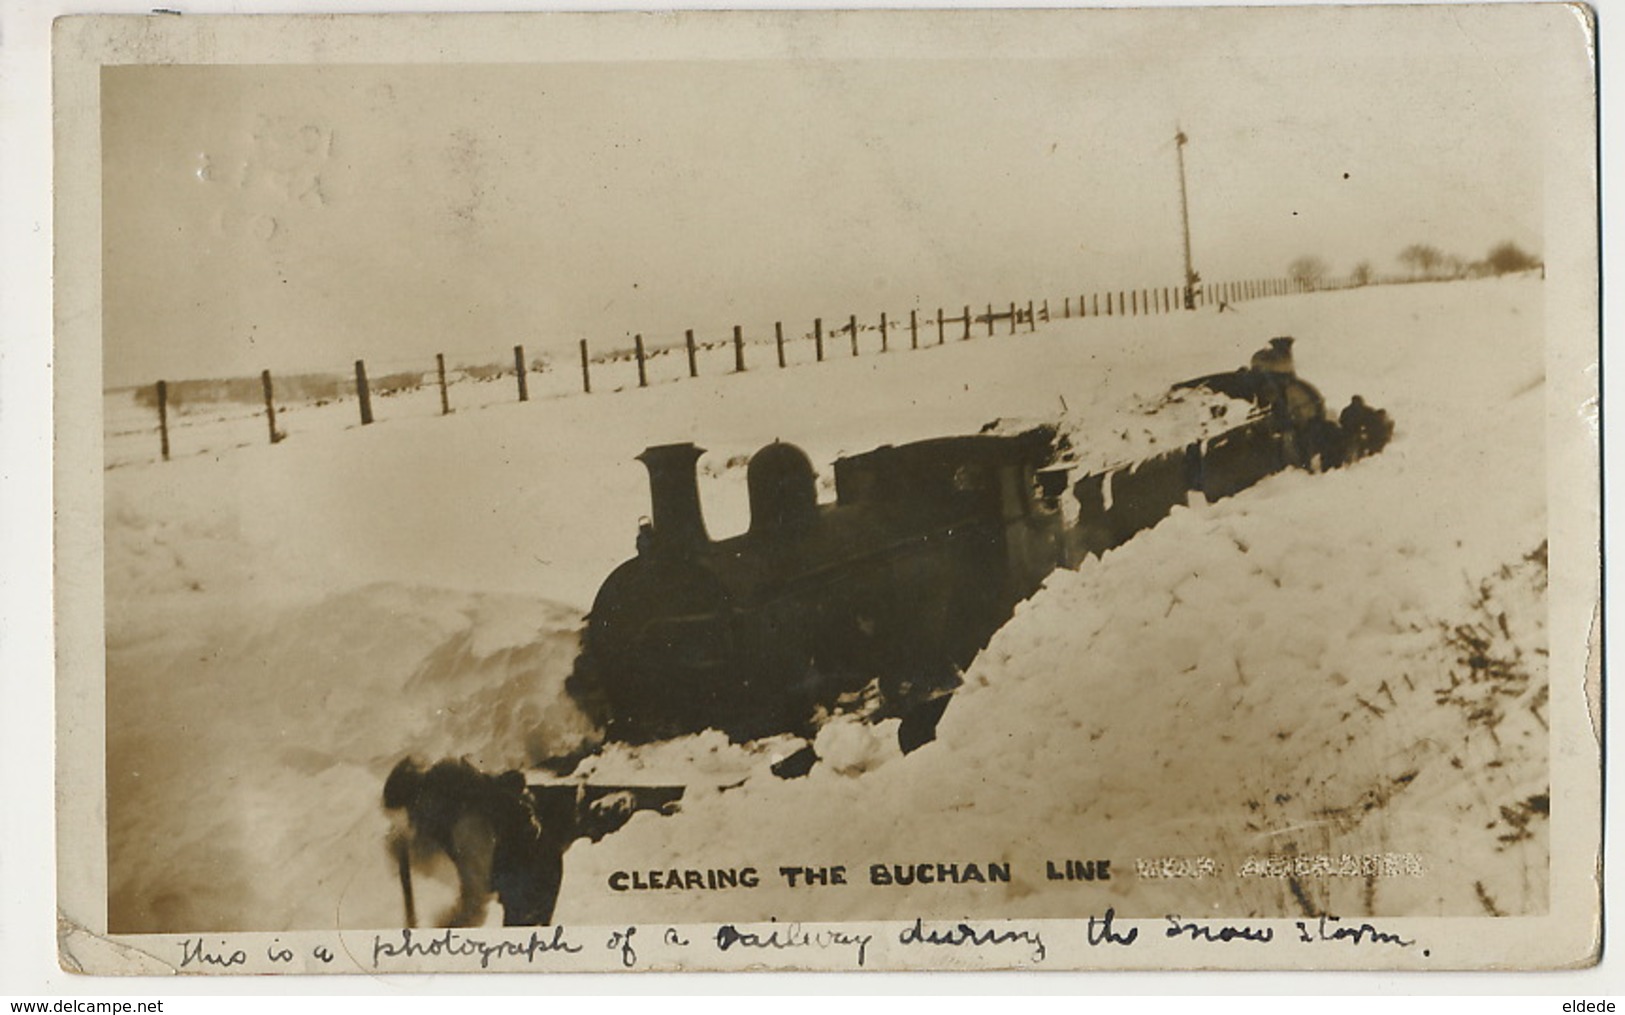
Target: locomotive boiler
894,586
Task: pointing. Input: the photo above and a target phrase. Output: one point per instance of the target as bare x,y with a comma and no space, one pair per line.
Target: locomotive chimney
674,492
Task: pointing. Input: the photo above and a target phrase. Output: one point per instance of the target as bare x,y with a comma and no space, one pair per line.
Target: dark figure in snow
1308,438
487,826
1366,431
1276,358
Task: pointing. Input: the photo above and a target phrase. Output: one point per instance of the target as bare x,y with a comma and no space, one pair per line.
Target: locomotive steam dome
783,488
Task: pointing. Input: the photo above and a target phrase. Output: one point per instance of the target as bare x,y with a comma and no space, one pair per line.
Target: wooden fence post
693,364
883,342
739,350
361,392
967,320
939,325
519,372
1096,311
1012,318
818,337
1045,308
643,376
440,368
990,320
586,370
1032,318
1068,309
852,326
270,405
914,329
778,339
163,417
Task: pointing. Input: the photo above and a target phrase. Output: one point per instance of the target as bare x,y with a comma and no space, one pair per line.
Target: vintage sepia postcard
828,490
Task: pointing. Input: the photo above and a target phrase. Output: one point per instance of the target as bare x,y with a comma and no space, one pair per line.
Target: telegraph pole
1191,278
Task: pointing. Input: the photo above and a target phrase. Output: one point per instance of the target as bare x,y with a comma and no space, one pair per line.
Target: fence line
1120,303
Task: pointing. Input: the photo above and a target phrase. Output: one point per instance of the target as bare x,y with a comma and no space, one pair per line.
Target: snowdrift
1348,665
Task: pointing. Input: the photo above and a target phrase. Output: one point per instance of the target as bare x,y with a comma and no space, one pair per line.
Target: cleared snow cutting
1323,695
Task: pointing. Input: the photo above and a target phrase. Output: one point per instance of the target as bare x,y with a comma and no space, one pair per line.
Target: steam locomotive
922,556
893,588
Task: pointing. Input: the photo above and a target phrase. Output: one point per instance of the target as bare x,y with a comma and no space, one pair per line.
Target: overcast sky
300,217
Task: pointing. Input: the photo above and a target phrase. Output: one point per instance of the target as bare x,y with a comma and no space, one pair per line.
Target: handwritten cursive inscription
791,936
1101,931
1362,934
1222,934
196,951
455,942
963,934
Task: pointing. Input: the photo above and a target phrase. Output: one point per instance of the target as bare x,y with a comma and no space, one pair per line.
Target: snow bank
284,622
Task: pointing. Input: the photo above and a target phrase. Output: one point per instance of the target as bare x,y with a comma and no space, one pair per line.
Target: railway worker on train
1299,410
487,826
1366,430
1275,358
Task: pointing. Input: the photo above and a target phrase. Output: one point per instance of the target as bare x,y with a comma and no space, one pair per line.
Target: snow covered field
1351,663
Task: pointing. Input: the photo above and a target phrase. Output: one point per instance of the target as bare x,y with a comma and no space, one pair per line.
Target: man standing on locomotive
1308,436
